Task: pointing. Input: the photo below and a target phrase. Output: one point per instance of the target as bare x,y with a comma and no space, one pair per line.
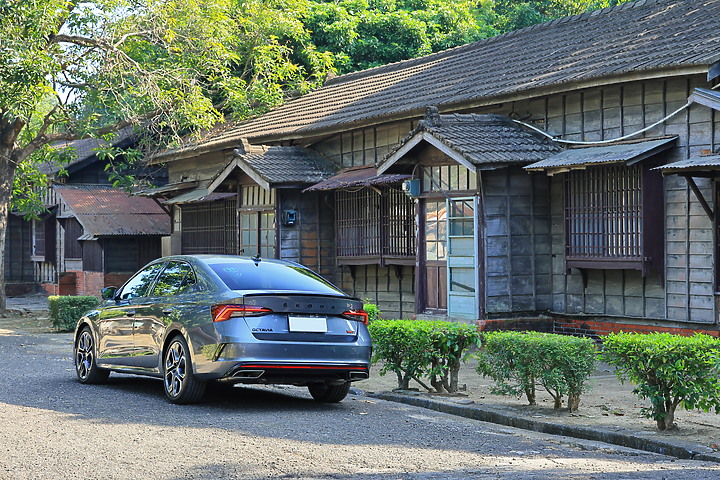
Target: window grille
604,216
210,227
374,223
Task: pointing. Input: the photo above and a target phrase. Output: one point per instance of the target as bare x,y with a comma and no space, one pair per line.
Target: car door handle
167,311
130,313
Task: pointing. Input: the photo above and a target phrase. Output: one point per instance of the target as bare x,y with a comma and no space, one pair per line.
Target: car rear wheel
85,367
181,385
322,392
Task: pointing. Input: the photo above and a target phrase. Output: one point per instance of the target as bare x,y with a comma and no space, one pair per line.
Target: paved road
54,428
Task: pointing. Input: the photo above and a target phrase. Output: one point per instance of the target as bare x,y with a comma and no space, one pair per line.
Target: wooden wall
310,241
608,112
517,241
18,241
391,288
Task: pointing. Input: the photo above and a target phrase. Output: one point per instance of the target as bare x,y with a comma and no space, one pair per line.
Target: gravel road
54,428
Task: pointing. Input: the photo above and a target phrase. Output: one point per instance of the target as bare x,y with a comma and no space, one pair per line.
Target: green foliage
669,370
363,34
513,15
414,349
519,361
65,311
372,310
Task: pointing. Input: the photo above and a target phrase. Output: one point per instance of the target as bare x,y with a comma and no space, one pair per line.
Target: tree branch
78,40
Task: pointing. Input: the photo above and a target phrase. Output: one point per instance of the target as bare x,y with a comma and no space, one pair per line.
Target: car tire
181,385
322,392
85,354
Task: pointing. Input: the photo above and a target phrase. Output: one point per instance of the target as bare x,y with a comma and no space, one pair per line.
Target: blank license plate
308,324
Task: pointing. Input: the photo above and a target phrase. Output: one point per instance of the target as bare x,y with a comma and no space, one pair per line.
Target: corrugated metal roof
106,211
357,177
618,153
168,189
642,38
699,164
200,194
483,140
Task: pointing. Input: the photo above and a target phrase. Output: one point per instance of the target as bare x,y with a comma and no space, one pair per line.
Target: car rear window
271,276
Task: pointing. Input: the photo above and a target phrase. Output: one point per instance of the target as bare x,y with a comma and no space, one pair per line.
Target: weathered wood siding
310,241
609,112
364,146
517,241
391,288
18,266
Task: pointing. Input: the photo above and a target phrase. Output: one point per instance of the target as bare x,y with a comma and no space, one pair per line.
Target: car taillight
357,315
221,313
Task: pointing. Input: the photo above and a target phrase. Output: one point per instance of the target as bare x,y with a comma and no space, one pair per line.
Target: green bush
519,361
372,310
415,349
669,370
65,311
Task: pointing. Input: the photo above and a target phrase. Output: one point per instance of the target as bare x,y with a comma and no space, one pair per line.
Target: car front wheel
322,392
85,367
181,385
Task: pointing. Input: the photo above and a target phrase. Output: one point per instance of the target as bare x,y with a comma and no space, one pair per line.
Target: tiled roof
482,140
631,152
284,165
661,36
82,150
107,211
355,177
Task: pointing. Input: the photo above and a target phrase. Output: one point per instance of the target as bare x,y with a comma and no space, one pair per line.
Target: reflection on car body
190,319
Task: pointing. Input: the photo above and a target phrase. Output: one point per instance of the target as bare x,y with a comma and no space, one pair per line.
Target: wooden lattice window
257,221
210,227
611,215
374,225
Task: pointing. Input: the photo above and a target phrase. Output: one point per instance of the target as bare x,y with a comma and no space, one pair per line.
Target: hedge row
418,349
65,311
518,361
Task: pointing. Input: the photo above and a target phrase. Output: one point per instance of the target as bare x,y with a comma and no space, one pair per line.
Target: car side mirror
108,293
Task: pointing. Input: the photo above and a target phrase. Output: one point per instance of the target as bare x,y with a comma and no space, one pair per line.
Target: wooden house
92,235
563,173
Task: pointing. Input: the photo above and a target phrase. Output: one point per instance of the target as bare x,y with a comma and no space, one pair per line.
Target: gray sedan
194,318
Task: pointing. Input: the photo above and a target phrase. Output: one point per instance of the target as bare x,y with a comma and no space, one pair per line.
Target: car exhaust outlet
358,375
248,374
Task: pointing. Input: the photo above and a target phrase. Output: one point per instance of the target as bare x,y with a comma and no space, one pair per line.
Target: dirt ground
608,404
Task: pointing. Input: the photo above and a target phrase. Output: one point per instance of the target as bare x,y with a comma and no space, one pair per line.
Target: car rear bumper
288,363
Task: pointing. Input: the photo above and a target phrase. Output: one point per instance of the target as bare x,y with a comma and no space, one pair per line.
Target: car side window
138,285
177,278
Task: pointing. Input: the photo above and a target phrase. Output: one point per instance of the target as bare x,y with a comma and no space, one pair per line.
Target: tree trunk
573,401
7,175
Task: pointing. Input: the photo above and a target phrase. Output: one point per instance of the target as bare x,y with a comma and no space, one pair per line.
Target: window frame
375,225
635,201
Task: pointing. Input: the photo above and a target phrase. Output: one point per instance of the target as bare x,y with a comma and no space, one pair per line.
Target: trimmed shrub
669,370
65,311
519,361
417,349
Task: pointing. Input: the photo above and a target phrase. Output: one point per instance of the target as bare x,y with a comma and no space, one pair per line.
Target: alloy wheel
175,369
84,355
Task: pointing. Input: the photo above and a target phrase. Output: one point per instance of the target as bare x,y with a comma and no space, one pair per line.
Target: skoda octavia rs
191,319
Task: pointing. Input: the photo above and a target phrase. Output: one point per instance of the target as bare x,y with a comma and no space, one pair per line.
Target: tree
368,33
71,70
516,14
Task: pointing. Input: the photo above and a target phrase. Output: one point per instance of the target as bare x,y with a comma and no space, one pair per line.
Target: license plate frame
307,324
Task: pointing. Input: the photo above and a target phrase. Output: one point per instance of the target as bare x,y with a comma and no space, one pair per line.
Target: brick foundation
593,327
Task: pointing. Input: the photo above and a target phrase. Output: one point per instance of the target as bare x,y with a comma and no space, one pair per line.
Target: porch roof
200,194
475,141
106,211
357,177
581,157
274,166
698,164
